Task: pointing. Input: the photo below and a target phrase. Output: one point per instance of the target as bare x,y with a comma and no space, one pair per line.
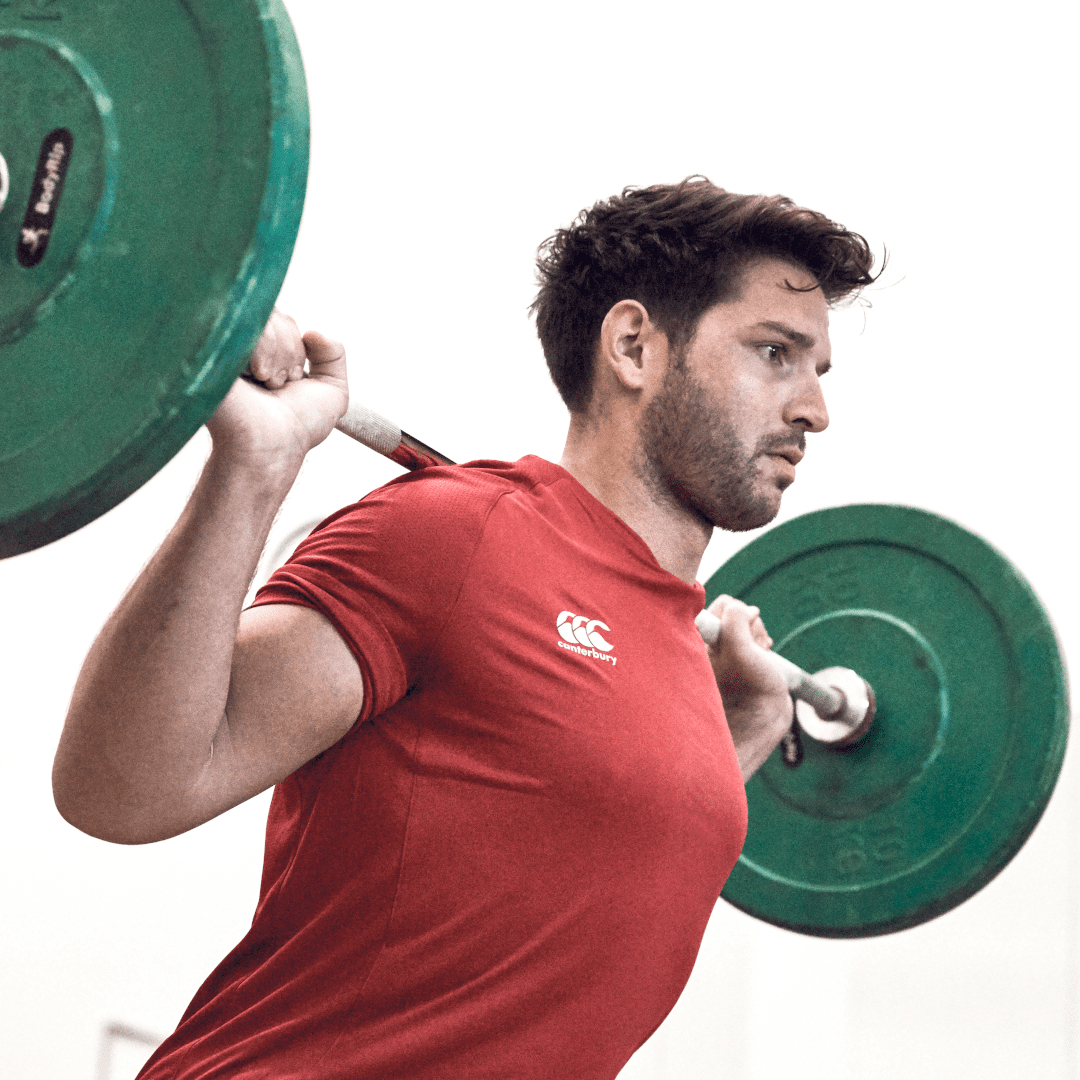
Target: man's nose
806,408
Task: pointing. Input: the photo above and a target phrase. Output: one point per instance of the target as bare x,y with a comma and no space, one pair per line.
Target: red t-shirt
506,868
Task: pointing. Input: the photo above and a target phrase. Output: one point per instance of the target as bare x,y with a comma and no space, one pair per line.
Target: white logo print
32,238
580,630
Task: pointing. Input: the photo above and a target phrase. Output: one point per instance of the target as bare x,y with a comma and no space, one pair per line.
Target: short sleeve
387,572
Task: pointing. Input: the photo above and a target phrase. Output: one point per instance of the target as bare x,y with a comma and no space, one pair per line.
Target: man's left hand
755,695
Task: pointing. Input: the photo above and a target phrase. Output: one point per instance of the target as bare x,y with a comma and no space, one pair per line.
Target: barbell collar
842,703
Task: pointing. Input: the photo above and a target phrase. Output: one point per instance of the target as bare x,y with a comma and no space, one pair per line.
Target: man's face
724,433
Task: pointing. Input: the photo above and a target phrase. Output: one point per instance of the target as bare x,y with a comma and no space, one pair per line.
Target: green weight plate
156,159
966,743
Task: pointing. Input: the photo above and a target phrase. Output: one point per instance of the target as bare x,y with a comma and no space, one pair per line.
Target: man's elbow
103,815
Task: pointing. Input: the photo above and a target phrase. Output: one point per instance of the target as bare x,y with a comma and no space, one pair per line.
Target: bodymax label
53,161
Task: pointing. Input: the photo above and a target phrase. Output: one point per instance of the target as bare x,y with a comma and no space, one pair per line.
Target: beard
694,457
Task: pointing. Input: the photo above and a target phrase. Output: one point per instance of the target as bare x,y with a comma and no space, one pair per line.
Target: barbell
907,800
838,705
153,161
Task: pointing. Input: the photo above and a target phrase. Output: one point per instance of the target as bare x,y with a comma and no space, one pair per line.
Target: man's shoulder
482,478
467,489
442,503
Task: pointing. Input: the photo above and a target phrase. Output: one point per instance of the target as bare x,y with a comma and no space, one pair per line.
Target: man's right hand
274,417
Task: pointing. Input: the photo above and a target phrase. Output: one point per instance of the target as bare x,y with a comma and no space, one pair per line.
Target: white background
448,141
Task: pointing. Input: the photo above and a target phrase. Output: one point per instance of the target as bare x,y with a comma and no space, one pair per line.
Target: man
508,792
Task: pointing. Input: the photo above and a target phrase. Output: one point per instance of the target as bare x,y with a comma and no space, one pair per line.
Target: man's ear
631,348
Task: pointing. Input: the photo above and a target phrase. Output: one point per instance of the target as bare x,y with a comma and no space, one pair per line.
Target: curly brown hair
678,249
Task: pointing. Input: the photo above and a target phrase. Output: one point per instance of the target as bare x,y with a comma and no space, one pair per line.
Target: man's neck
608,463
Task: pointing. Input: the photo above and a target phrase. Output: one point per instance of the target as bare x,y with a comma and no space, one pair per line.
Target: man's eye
773,353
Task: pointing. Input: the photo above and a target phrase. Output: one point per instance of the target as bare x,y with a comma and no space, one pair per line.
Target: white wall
448,140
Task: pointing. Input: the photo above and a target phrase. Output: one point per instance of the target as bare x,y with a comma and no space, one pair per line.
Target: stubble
694,457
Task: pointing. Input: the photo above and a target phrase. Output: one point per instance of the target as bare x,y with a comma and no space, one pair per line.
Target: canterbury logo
583,635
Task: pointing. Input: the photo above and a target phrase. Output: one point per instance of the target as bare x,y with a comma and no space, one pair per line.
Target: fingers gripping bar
840,699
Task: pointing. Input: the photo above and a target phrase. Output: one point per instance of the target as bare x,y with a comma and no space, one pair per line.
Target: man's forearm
756,730
151,696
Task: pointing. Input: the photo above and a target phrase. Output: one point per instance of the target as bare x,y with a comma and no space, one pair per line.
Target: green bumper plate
966,744
156,159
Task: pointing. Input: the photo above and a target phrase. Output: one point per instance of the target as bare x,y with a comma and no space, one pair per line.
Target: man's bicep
295,690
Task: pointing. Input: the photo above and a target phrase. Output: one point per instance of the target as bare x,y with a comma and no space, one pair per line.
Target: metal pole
386,438
827,700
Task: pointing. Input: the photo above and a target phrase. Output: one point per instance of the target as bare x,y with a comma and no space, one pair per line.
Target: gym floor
447,142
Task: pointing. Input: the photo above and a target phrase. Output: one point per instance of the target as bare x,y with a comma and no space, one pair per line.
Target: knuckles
743,668
279,355
737,614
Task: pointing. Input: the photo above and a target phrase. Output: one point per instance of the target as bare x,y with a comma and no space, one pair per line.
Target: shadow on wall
123,1051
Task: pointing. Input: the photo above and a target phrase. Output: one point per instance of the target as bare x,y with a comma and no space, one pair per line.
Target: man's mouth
792,454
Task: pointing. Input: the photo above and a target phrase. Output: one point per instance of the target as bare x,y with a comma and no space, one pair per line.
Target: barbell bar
839,704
